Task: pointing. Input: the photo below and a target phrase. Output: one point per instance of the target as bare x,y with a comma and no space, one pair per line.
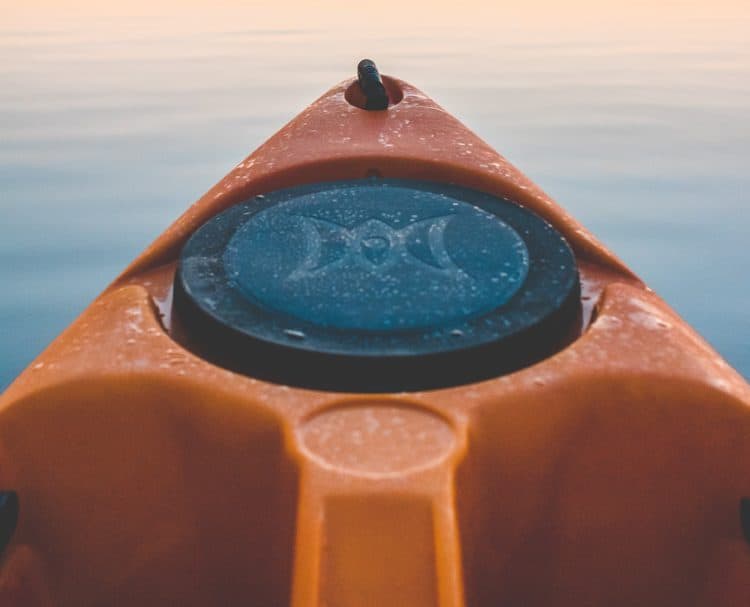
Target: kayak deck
609,473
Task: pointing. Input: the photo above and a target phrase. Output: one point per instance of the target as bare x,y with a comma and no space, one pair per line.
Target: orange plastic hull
608,474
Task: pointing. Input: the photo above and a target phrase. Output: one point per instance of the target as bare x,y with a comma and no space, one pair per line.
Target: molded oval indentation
377,439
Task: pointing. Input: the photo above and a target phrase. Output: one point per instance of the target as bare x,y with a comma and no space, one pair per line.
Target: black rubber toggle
745,518
372,85
8,517
376,285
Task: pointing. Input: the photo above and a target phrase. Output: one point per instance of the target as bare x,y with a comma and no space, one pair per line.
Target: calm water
111,124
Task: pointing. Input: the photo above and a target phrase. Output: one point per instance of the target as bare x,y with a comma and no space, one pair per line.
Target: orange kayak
375,365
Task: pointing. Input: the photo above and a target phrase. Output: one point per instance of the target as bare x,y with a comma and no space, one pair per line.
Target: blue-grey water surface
111,125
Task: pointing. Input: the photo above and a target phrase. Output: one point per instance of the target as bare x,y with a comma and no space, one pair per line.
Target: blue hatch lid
376,285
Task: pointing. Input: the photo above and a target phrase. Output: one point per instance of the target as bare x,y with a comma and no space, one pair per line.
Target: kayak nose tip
8,517
371,91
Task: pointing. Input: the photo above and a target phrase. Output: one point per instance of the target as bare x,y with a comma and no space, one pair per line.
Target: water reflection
112,123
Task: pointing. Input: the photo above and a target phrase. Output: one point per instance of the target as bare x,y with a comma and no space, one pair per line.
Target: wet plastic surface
610,473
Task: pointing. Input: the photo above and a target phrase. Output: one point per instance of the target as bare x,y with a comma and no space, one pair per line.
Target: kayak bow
376,365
